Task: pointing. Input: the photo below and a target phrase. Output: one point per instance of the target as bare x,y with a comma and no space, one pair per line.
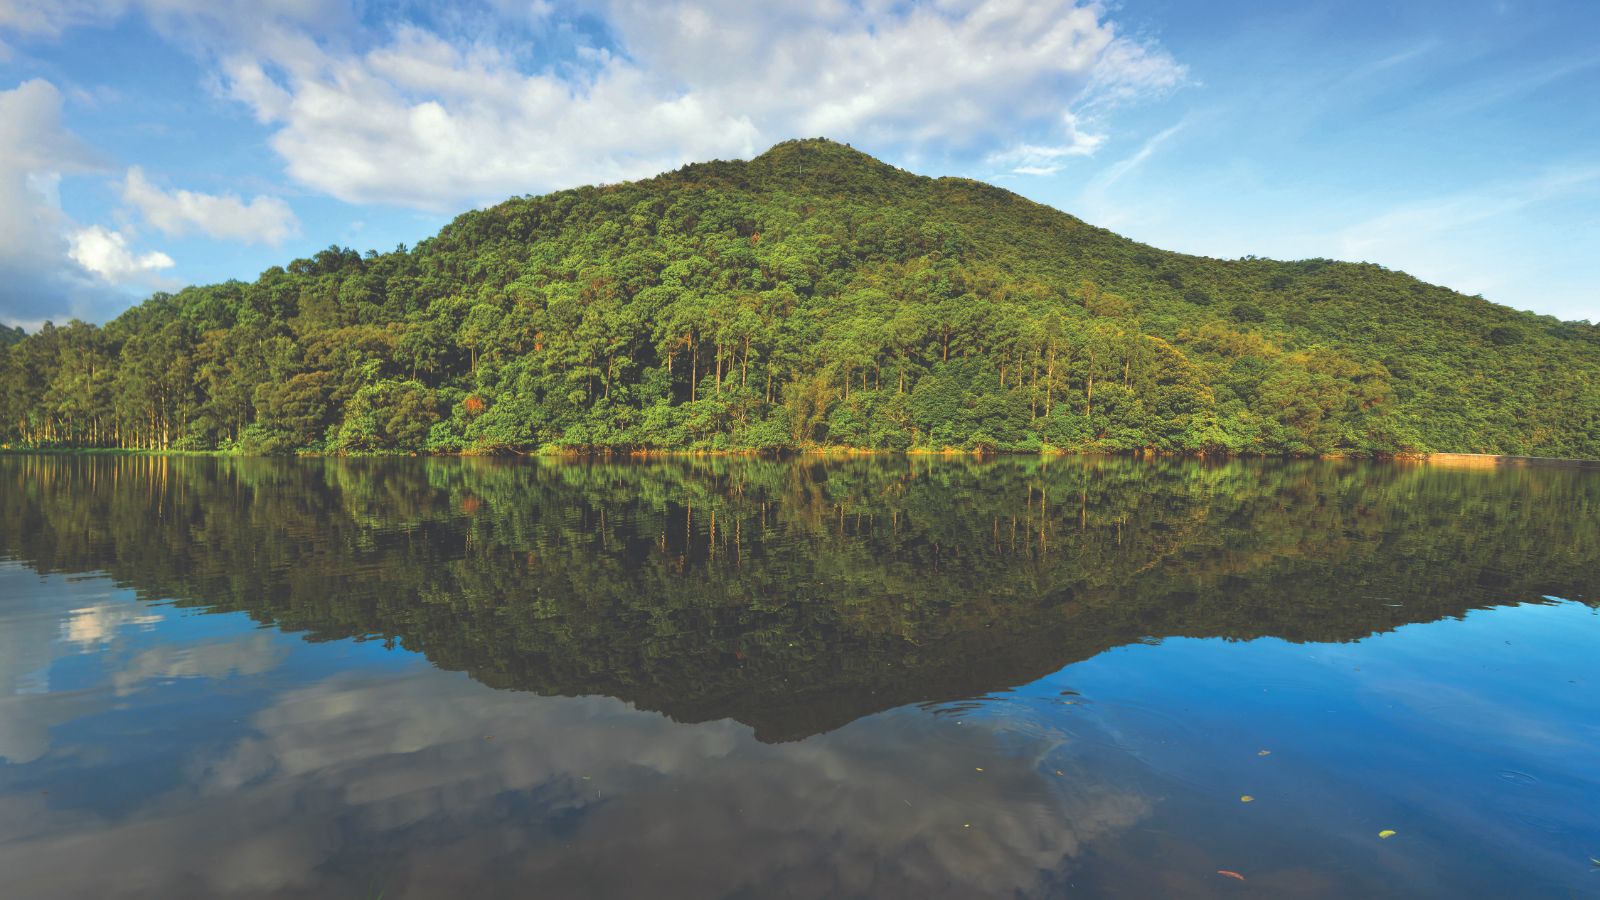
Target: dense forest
798,595
811,297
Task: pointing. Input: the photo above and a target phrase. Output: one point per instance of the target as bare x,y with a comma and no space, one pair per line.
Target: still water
889,677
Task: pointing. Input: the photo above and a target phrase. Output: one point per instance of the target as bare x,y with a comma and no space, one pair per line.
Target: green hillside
810,297
9,335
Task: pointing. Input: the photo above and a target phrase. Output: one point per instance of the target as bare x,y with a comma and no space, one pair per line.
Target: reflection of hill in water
797,596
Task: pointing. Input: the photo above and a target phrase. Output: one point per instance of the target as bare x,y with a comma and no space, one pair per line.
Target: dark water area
883,677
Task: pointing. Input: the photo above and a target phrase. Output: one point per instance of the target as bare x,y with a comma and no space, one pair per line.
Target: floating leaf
1386,833
1247,799
978,769
1230,874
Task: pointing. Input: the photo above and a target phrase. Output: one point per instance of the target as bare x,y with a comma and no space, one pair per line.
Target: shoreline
1450,460
1502,461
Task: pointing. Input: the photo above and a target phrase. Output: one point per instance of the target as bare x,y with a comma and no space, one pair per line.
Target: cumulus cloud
456,109
430,121
50,266
264,219
105,253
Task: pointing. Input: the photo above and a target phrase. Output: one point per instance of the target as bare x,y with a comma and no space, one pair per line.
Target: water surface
886,677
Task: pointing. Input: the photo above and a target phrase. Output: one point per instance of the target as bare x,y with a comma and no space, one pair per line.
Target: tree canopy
810,297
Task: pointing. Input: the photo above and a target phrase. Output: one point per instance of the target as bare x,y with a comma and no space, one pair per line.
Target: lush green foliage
810,297
797,595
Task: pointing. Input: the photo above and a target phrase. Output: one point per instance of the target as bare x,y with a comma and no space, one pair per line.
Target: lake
853,677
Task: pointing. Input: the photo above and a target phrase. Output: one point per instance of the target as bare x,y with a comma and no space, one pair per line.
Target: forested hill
812,296
9,335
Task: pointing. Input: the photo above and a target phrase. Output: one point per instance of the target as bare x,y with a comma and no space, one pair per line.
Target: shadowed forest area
810,297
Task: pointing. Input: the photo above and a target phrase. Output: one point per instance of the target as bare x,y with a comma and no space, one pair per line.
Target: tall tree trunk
1049,380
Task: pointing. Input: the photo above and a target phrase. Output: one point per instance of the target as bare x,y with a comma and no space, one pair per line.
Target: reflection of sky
198,755
267,765
1476,739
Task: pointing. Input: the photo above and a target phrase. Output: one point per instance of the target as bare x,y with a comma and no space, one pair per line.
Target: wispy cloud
1120,169
1465,239
1430,219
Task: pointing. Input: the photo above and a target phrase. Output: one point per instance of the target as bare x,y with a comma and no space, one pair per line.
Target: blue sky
148,144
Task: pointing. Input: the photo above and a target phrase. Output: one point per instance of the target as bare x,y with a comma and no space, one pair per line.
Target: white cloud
438,118
105,253
45,257
263,220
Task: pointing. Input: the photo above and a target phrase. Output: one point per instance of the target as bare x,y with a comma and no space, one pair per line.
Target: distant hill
10,335
812,296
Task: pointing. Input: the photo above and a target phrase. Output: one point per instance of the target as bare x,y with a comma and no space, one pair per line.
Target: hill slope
811,296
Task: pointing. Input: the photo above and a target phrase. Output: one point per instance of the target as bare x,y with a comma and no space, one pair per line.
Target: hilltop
812,296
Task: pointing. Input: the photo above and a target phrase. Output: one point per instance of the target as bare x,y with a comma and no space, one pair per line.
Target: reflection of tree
796,596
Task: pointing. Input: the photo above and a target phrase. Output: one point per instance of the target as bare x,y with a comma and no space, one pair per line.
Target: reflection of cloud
45,618
436,786
30,626
26,721
217,659
91,627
